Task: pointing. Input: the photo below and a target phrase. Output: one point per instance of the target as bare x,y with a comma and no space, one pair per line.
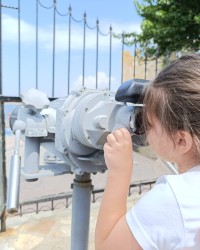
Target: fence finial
85,16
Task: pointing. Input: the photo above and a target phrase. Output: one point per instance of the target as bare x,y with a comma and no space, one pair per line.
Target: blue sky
120,14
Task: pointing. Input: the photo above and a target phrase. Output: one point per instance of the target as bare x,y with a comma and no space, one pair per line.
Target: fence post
2,169
2,144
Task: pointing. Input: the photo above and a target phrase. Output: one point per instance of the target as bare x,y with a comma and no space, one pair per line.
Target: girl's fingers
122,133
126,133
118,135
111,139
106,146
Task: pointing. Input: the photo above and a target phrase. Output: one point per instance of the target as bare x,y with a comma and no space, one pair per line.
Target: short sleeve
156,221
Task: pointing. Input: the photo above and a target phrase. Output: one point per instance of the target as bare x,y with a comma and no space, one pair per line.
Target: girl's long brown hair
173,97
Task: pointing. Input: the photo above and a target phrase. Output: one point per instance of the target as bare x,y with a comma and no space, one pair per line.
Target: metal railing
50,199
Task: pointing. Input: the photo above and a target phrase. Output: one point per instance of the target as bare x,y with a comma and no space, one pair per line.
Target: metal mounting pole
81,199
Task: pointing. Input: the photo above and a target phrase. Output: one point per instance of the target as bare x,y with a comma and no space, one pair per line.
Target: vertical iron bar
167,56
2,141
166,60
54,40
134,59
67,202
84,29
122,66
19,48
69,47
156,71
52,205
145,64
36,48
20,210
37,207
2,168
97,53
110,58
1,87
3,220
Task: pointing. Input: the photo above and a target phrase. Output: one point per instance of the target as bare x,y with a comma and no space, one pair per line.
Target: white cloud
10,29
45,34
90,82
27,34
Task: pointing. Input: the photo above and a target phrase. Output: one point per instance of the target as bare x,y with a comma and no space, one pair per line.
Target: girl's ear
184,142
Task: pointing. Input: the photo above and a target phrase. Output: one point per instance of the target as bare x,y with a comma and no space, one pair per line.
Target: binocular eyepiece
132,92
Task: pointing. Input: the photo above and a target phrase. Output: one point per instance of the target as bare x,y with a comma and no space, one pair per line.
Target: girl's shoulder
167,217
187,180
185,189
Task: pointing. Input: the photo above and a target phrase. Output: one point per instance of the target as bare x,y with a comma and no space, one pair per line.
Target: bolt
66,111
65,150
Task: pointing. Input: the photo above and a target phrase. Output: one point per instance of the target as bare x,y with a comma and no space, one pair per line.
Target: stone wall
128,67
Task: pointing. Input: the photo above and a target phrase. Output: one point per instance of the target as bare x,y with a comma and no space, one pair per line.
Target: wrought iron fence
49,201
130,64
139,66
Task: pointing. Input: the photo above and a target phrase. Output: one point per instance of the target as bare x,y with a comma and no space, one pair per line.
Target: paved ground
47,230
51,229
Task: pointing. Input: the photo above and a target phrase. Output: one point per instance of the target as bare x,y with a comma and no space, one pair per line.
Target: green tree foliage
170,25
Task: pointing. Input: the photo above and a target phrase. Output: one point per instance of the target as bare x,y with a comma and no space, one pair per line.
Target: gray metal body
73,128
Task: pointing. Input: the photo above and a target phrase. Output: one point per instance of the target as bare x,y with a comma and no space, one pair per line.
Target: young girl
168,216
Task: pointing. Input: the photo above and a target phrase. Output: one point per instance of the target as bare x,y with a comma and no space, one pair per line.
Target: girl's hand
118,152
112,231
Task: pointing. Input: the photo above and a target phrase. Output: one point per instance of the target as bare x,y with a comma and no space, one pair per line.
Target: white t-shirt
168,216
